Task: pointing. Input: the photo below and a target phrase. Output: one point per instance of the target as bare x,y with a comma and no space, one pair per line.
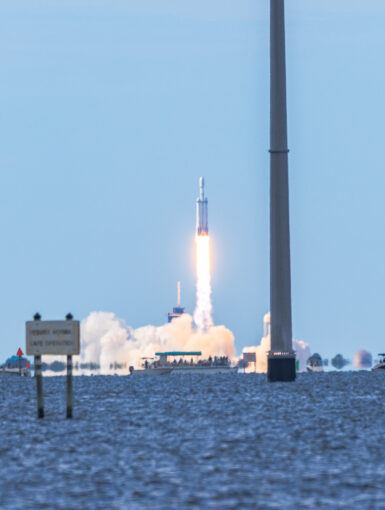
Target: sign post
53,338
39,387
69,398
39,378
69,387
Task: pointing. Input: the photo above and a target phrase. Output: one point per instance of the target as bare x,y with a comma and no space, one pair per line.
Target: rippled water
225,441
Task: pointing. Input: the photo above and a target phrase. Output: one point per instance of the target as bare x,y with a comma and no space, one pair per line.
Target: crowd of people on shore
216,361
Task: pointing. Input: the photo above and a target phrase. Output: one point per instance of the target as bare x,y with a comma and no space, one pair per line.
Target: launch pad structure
178,310
281,357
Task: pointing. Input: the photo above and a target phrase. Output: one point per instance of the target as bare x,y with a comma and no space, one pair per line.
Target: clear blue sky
111,110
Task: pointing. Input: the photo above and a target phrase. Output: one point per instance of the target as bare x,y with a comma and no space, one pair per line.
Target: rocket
202,221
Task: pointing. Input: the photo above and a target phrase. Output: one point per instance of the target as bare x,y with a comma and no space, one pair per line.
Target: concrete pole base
281,368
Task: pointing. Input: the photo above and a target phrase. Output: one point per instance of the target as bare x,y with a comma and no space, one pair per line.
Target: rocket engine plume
203,310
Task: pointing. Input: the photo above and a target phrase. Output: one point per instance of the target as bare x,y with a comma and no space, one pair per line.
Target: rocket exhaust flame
203,310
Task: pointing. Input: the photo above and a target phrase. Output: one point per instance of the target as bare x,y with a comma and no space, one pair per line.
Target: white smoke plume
301,348
203,310
107,340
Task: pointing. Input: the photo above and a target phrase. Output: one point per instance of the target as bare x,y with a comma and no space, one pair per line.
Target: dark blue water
225,441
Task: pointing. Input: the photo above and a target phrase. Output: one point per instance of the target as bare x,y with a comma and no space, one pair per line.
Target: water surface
218,441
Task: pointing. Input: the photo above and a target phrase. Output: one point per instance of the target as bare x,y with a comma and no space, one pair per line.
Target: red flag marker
19,352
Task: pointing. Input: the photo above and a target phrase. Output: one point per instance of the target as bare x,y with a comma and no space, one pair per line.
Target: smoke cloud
107,339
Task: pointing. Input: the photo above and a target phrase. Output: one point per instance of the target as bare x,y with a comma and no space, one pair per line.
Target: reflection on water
224,441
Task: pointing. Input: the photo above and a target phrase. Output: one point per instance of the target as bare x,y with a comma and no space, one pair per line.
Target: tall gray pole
281,358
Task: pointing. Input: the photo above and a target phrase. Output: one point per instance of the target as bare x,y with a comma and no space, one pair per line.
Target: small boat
16,366
180,365
381,362
151,370
314,363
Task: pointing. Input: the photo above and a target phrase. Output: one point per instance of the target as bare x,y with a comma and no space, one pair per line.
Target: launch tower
178,310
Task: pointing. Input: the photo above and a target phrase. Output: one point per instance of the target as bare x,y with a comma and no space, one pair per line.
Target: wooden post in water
69,398
69,387
39,387
39,379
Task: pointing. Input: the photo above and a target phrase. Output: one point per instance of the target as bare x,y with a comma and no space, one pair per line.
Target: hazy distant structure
339,362
202,218
363,359
266,324
315,363
281,357
178,310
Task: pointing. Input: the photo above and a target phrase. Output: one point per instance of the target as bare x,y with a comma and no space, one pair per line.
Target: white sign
52,337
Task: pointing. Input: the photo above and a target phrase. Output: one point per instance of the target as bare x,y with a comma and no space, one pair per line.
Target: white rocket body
202,219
